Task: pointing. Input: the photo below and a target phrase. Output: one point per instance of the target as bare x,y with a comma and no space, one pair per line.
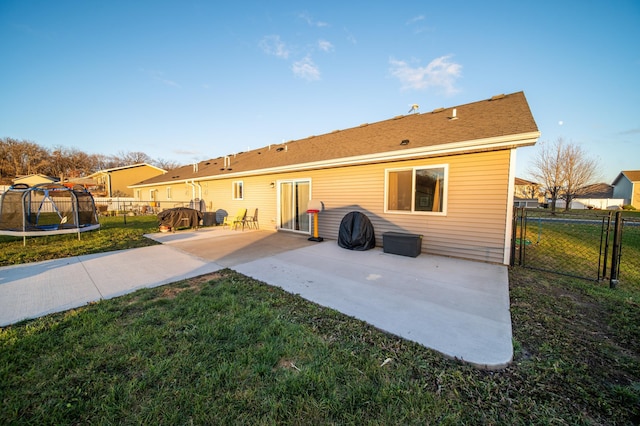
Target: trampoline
47,209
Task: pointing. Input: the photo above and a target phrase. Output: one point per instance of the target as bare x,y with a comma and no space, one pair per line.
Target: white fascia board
130,166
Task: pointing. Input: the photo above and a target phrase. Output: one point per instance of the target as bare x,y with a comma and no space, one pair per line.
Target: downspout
199,190
508,226
200,201
193,189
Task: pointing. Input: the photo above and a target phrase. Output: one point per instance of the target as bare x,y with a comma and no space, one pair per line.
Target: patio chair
234,221
252,221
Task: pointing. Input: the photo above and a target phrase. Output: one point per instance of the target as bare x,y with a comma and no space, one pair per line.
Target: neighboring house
35,179
526,202
88,183
447,175
596,196
115,182
627,187
526,189
526,193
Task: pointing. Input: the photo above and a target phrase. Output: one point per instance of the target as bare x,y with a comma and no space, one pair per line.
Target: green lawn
226,349
113,234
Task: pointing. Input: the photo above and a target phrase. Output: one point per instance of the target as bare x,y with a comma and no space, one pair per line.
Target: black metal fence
595,245
125,205
628,254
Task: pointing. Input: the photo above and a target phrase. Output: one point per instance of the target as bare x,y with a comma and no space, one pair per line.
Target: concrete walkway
459,308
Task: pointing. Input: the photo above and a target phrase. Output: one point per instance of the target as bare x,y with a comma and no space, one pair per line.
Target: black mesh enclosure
356,232
11,216
50,207
86,206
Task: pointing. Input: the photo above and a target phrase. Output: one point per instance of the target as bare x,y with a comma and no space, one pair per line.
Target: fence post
615,252
606,244
514,228
523,224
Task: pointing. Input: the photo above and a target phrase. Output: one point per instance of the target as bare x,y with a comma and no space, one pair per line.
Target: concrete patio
459,308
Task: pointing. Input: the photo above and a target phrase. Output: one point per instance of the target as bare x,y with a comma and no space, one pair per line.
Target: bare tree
580,171
21,157
130,158
166,164
59,163
6,171
547,169
563,169
103,162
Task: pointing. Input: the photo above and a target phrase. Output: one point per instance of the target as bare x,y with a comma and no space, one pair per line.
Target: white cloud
417,25
168,82
309,20
325,46
635,131
350,37
159,77
440,73
306,69
272,45
415,19
185,152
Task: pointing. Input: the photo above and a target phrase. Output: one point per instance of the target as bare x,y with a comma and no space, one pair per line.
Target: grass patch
224,349
113,234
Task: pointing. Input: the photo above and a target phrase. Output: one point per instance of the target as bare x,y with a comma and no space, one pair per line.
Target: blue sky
192,80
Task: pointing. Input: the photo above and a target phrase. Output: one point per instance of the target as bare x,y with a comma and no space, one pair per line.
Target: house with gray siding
627,186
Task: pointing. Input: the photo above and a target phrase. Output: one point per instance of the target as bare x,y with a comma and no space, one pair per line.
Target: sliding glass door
293,200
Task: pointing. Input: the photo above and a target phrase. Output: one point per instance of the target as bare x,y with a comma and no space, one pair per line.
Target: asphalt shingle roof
597,190
632,175
502,115
522,182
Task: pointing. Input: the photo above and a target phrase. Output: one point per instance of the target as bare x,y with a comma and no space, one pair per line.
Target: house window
168,192
416,190
238,193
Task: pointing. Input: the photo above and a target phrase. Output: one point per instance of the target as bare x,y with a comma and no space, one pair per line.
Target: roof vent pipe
195,167
227,161
453,115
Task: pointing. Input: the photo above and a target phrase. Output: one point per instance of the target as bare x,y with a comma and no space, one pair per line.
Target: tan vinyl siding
476,196
119,180
473,227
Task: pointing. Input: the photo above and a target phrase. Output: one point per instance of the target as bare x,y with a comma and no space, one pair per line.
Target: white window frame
235,185
168,192
413,170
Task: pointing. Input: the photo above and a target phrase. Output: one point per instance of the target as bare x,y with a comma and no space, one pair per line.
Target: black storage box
208,219
402,244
